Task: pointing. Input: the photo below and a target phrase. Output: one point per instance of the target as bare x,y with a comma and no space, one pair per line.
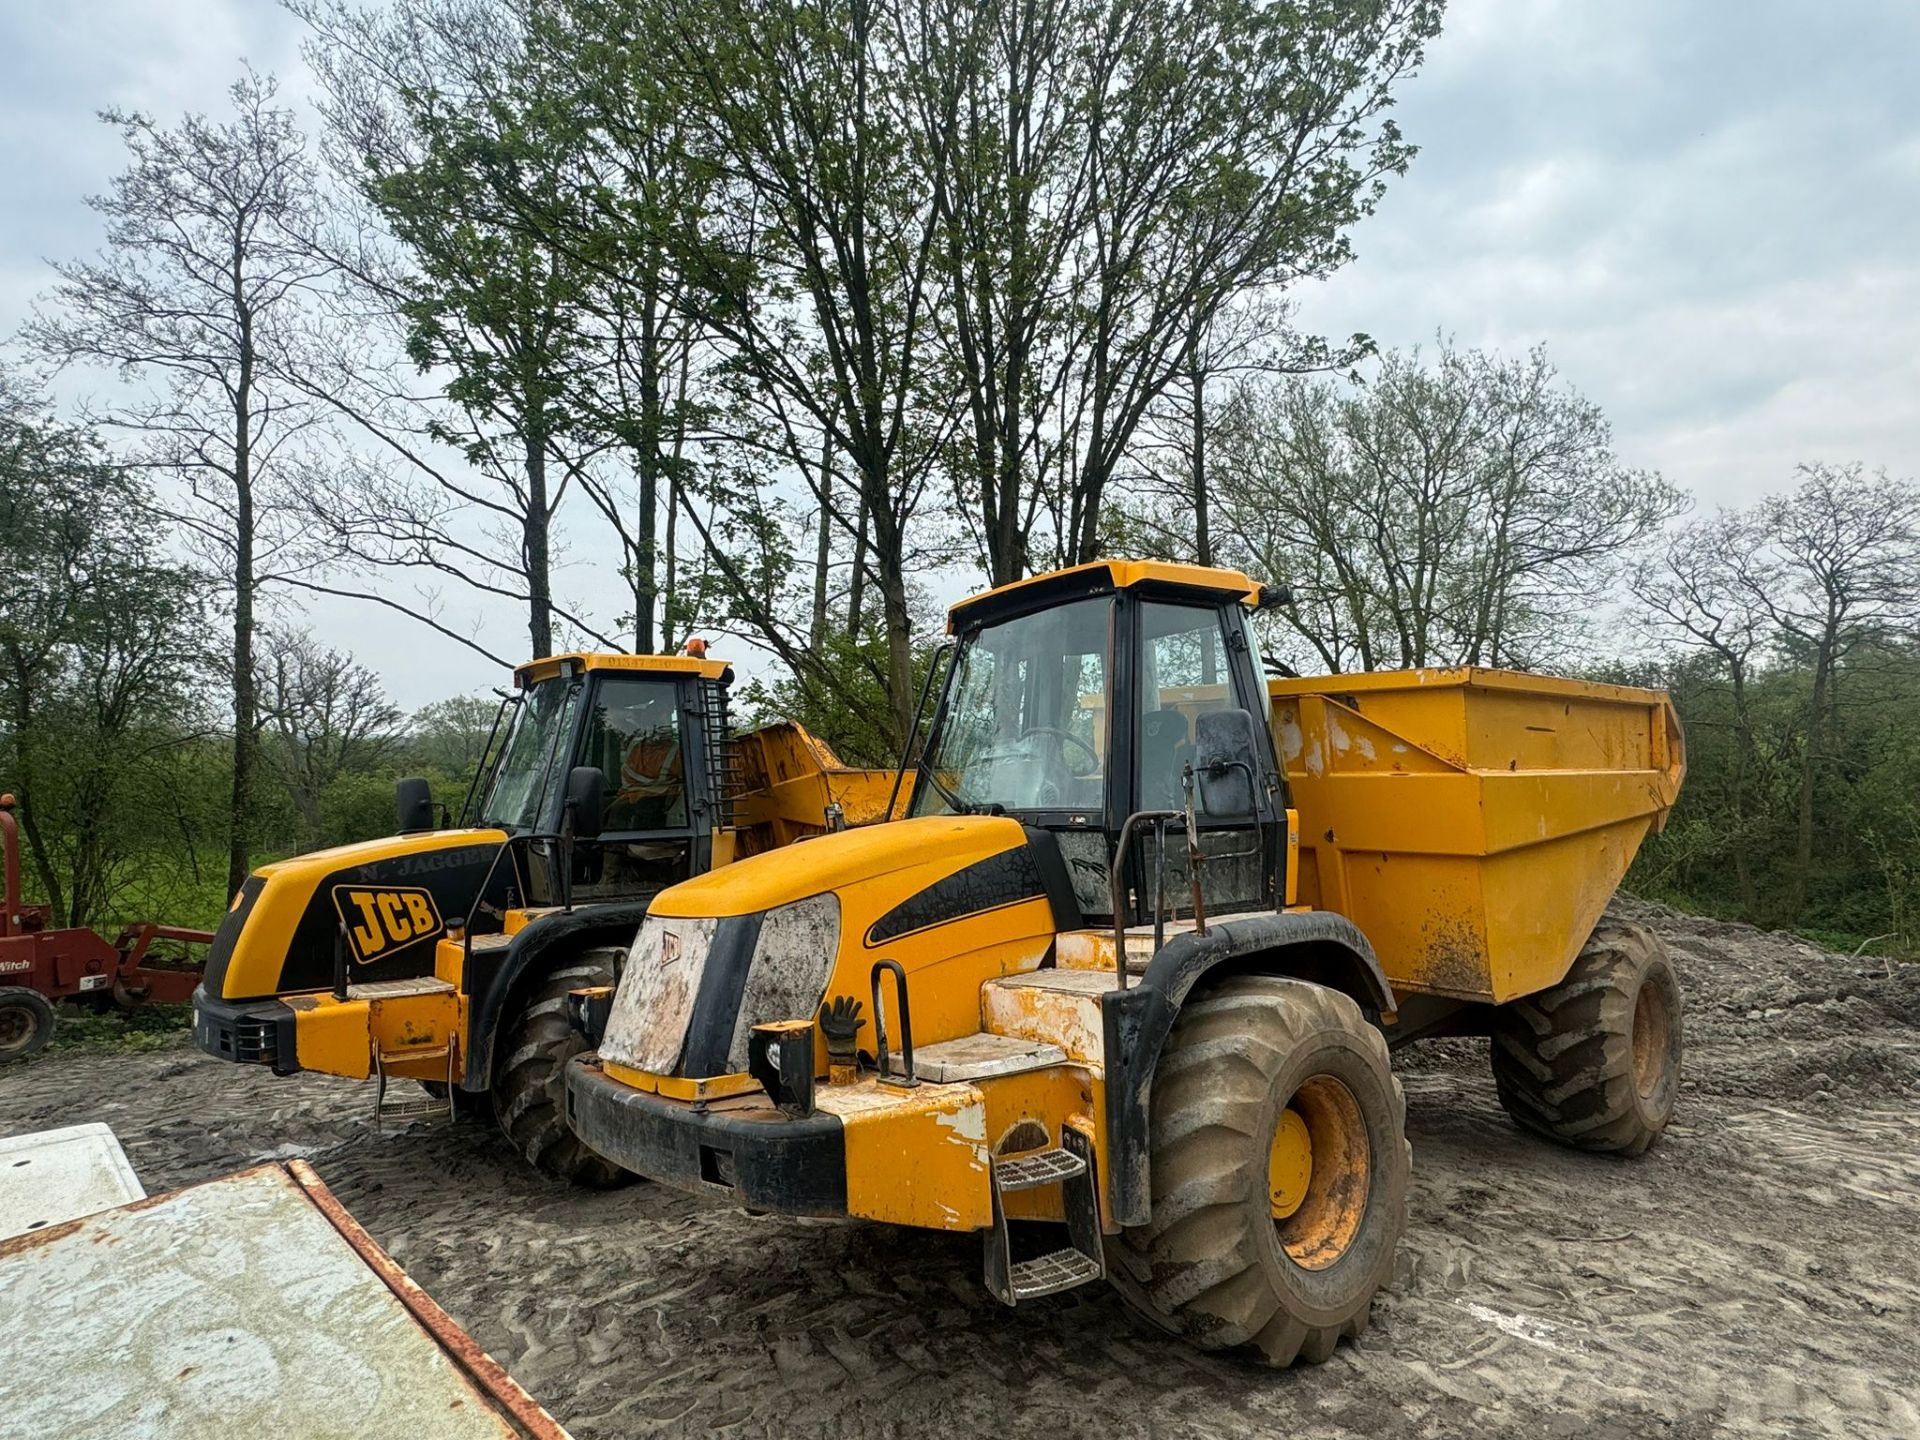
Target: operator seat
1164,748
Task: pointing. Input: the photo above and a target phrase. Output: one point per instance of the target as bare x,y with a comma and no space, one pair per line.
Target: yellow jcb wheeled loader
444,954
1137,957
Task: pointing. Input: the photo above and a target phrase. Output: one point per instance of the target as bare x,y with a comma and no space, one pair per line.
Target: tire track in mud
1755,1274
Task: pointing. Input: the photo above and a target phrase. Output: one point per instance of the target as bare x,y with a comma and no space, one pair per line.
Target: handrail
886,1077
1117,880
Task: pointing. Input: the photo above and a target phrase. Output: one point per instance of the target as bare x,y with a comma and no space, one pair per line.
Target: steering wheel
1068,738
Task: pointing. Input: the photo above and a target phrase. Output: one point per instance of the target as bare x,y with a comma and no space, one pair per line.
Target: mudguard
493,980
1311,945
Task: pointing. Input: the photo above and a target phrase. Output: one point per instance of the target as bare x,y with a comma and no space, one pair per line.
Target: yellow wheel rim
1651,1036
1322,1224
1289,1165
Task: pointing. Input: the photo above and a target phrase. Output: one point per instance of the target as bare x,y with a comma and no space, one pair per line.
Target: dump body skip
1473,823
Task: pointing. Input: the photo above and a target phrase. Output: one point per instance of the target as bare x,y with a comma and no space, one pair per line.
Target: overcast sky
1708,211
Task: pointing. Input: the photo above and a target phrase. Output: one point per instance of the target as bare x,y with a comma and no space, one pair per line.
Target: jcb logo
380,921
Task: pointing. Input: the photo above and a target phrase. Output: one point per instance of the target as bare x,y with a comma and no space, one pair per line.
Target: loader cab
655,727
1077,699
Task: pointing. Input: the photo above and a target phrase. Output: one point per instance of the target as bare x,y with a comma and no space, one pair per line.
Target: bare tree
473,454
1696,596
326,717
195,303
1470,511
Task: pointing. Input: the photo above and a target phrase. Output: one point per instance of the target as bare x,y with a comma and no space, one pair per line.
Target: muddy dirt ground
1756,1274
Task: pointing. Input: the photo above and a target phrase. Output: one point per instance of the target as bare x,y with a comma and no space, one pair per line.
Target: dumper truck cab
442,954
1134,960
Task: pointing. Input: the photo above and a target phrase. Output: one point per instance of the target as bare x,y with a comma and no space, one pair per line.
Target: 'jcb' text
380,921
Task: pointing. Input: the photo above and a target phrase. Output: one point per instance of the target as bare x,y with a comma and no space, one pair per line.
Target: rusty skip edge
481,1368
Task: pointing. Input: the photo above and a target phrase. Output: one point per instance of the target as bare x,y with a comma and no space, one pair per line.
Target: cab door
1189,658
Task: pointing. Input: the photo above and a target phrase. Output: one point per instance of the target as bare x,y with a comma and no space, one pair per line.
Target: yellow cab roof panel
1098,577
548,666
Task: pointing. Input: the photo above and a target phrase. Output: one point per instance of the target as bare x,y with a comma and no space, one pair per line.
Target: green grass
150,1027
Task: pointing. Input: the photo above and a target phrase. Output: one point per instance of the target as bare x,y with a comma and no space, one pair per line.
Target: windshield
530,758
1025,726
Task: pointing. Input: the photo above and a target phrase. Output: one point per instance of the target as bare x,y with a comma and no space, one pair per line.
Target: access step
419,1107
983,1056
1037,1169
1050,1274
400,989
1070,1167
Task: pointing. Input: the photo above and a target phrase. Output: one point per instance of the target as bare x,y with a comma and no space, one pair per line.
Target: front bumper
765,1159
248,1032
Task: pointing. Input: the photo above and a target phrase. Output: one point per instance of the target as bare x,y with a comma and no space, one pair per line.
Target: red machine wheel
26,1022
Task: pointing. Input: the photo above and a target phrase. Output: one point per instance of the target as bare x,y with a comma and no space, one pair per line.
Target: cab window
1183,674
633,735
1026,721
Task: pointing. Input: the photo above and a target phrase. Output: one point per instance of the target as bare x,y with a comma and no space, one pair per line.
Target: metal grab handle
887,1076
340,962
1117,881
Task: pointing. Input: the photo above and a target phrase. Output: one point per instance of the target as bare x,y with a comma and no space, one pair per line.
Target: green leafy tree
101,682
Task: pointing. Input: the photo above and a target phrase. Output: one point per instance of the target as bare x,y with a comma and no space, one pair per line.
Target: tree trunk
245,706
669,590
538,524
1809,762
899,625
857,584
1202,540
823,541
645,586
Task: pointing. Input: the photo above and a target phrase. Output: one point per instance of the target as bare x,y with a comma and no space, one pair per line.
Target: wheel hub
1289,1165
16,1027
1339,1178
1651,1039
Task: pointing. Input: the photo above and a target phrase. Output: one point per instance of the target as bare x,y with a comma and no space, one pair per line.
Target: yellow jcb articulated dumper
1135,961
444,954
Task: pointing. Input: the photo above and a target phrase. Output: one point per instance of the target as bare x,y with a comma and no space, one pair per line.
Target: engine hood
937,844
394,895
771,937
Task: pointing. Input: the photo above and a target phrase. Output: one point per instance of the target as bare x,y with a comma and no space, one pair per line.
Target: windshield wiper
954,802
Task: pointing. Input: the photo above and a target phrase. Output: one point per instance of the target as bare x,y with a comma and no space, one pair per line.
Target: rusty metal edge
481,1368
47,1234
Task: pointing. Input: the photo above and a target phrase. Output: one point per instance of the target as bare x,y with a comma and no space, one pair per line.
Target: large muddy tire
529,1086
1279,1166
26,1022
1594,1062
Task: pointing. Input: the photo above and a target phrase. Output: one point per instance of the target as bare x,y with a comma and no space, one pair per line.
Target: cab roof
548,666
1098,577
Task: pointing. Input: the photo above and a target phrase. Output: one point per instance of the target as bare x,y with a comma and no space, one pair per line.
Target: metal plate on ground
57,1175
248,1305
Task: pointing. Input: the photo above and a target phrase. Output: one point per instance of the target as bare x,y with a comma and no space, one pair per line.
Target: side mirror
586,800
1226,761
413,804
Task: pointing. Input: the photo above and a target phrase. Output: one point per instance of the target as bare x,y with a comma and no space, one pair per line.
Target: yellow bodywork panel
915,1157
676,1087
922,1156
1473,823
379,912
338,1037
1123,575
874,872
548,666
